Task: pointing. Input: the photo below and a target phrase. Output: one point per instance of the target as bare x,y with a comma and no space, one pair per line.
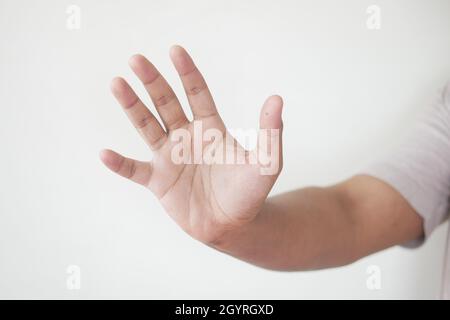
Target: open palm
205,199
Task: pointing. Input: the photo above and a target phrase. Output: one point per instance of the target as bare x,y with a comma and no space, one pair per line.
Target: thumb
270,117
269,138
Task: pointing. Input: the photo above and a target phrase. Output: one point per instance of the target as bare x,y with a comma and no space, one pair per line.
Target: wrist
234,237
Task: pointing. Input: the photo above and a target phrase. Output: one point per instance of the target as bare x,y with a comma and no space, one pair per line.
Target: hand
205,199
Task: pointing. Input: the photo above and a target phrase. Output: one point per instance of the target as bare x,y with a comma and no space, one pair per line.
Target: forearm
303,229
314,228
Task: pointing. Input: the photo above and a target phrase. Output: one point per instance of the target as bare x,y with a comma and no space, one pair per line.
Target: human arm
226,206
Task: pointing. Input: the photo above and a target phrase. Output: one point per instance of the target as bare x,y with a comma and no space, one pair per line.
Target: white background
351,94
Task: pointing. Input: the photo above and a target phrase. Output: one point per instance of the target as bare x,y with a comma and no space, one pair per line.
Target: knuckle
143,121
163,99
194,90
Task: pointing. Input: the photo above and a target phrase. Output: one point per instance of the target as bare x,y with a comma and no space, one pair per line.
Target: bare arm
226,205
313,228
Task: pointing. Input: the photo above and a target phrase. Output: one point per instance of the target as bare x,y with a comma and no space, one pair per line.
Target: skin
226,206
